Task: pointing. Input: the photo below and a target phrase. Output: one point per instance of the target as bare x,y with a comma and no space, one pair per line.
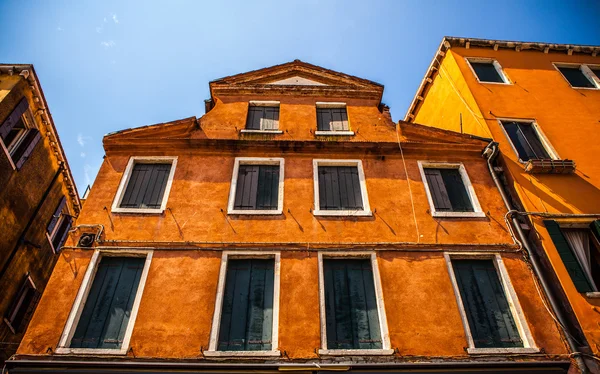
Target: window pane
339,188
525,140
576,77
107,309
457,192
332,119
247,313
352,319
146,186
490,320
257,187
14,134
596,72
262,118
486,72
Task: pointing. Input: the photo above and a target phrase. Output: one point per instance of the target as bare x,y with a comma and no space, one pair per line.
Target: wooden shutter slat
569,259
13,118
146,186
439,195
268,187
363,306
354,182
62,234
534,142
237,334
160,175
26,148
595,227
260,306
56,215
343,309
456,190
227,308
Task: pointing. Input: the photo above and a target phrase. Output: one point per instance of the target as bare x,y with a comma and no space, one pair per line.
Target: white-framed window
246,318
352,311
449,190
59,225
19,134
492,317
105,327
340,188
263,117
527,139
332,119
256,186
145,185
580,76
487,70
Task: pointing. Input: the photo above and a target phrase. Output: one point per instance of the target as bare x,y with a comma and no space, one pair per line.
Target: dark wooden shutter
486,72
56,216
246,187
32,137
13,118
247,312
108,306
146,186
568,257
490,320
352,319
62,233
456,190
339,188
257,187
22,306
576,77
437,189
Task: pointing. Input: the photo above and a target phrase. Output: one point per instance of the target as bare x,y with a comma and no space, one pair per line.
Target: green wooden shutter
247,311
107,310
352,319
568,257
456,190
146,186
490,320
437,190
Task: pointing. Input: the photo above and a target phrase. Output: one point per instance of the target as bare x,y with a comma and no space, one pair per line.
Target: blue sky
109,65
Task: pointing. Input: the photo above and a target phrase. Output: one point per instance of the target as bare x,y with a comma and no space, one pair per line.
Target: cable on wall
412,203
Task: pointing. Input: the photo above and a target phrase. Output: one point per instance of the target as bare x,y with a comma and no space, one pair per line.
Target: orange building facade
541,104
294,226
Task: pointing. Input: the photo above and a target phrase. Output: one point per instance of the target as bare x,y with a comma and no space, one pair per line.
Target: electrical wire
408,182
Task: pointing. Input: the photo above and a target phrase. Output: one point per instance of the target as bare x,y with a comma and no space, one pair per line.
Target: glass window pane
576,77
486,72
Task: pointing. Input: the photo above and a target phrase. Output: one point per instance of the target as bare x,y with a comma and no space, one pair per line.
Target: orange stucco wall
567,117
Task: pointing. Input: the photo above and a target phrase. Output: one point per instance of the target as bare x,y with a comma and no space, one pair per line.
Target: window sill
90,351
329,133
261,131
356,352
343,213
499,83
241,354
459,214
255,212
585,88
137,210
592,295
501,351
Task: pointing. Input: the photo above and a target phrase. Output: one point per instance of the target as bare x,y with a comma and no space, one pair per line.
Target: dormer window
332,119
263,116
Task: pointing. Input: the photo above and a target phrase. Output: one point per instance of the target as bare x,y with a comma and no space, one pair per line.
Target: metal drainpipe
490,152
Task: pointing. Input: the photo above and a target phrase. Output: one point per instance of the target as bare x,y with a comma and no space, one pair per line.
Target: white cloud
59,28
105,19
108,44
82,154
87,169
99,29
114,18
82,140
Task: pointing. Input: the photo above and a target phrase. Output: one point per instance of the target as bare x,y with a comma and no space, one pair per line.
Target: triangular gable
297,81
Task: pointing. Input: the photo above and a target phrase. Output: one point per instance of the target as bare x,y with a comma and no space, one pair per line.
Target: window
596,71
22,306
18,138
487,71
257,186
578,76
263,116
59,226
579,249
526,140
332,119
246,316
490,311
145,185
352,310
340,188
104,312
449,190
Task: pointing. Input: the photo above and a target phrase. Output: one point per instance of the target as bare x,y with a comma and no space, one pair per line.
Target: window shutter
62,233
247,312
533,141
595,227
26,148
146,186
350,192
107,309
437,189
22,306
568,257
352,319
488,313
246,187
456,190
56,215
13,117
268,187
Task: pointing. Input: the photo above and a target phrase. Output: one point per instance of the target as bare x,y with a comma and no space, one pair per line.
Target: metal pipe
97,238
490,152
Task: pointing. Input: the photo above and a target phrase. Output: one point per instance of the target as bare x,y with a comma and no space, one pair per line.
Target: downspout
490,152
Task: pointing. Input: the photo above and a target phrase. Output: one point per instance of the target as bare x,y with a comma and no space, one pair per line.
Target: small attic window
487,71
263,116
579,76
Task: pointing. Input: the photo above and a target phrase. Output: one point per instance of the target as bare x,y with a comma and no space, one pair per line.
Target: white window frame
327,104
584,68
216,322
366,211
477,211
61,219
125,181
256,161
511,298
383,326
263,103
82,295
496,65
29,123
543,139
9,320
